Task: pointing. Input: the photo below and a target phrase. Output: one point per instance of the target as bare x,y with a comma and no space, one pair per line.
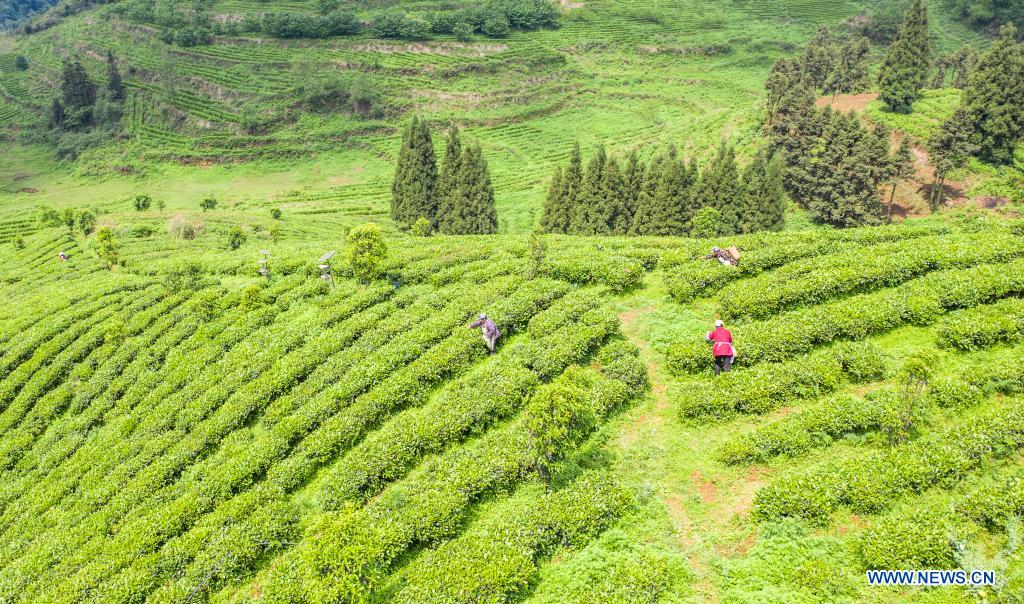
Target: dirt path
848,102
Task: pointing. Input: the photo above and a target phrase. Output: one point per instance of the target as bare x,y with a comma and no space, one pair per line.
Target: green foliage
236,238
86,221
275,213
182,277
950,149
78,96
987,14
706,223
911,539
413,191
992,99
764,388
906,66
365,251
470,207
208,203
106,247
720,188
251,298
421,228
920,302
870,482
983,326
21,63
142,202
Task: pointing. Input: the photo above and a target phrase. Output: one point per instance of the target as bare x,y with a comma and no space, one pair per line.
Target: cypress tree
473,210
942,63
720,189
572,181
587,218
850,74
616,215
634,181
901,167
643,218
906,66
56,117
949,149
964,62
413,192
114,83
447,179
554,217
819,58
994,98
79,94
764,199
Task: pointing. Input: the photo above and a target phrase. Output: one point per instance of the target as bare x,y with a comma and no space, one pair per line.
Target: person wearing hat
723,256
721,346
490,331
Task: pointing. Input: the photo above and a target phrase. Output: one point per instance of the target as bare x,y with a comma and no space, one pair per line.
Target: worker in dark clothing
63,257
721,346
490,331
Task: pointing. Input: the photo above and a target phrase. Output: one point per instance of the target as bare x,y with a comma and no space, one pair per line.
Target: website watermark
932,578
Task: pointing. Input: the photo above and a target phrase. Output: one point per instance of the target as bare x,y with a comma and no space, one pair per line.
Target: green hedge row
548,357
344,558
910,540
566,310
767,387
1002,375
870,483
816,280
327,425
921,302
983,326
812,427
496,560
585,266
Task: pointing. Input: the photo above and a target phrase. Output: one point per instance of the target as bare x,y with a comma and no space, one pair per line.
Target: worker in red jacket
721,346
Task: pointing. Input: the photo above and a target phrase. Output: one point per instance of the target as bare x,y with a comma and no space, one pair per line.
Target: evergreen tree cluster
612,197
458,200
835,165
960,63
994,99
908,62
81,104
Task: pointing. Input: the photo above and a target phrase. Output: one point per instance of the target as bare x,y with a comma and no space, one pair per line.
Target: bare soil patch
848,102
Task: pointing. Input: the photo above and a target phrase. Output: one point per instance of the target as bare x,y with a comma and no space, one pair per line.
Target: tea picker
721,347
728,257
490,331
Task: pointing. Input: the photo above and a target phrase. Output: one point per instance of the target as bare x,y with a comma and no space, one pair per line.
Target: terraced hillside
210,435
630,75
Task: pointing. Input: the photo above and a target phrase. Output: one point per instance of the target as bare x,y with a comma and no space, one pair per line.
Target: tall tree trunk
942,185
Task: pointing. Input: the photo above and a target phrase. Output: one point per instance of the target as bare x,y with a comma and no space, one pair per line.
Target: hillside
626,74
214,435
239,359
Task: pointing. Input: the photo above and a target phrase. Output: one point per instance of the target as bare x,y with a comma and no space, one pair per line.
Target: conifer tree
474,211
819,58
901,167
114,84
763,203
554,216
79,94
994,98
633,177
942,63
906,66
572,181
587,217
964,63
616,216
949,149
850,73
56,116
413,191
720,189
447,179
643,218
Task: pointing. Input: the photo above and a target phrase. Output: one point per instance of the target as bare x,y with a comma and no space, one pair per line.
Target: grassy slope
629,75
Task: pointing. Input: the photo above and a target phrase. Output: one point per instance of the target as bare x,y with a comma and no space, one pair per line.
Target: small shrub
366,251
909,540
19,242
421,228
252,297
208,203
463,32
497,26
185,276
87,221
142,202
275,213
705,223
236,238
21,63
